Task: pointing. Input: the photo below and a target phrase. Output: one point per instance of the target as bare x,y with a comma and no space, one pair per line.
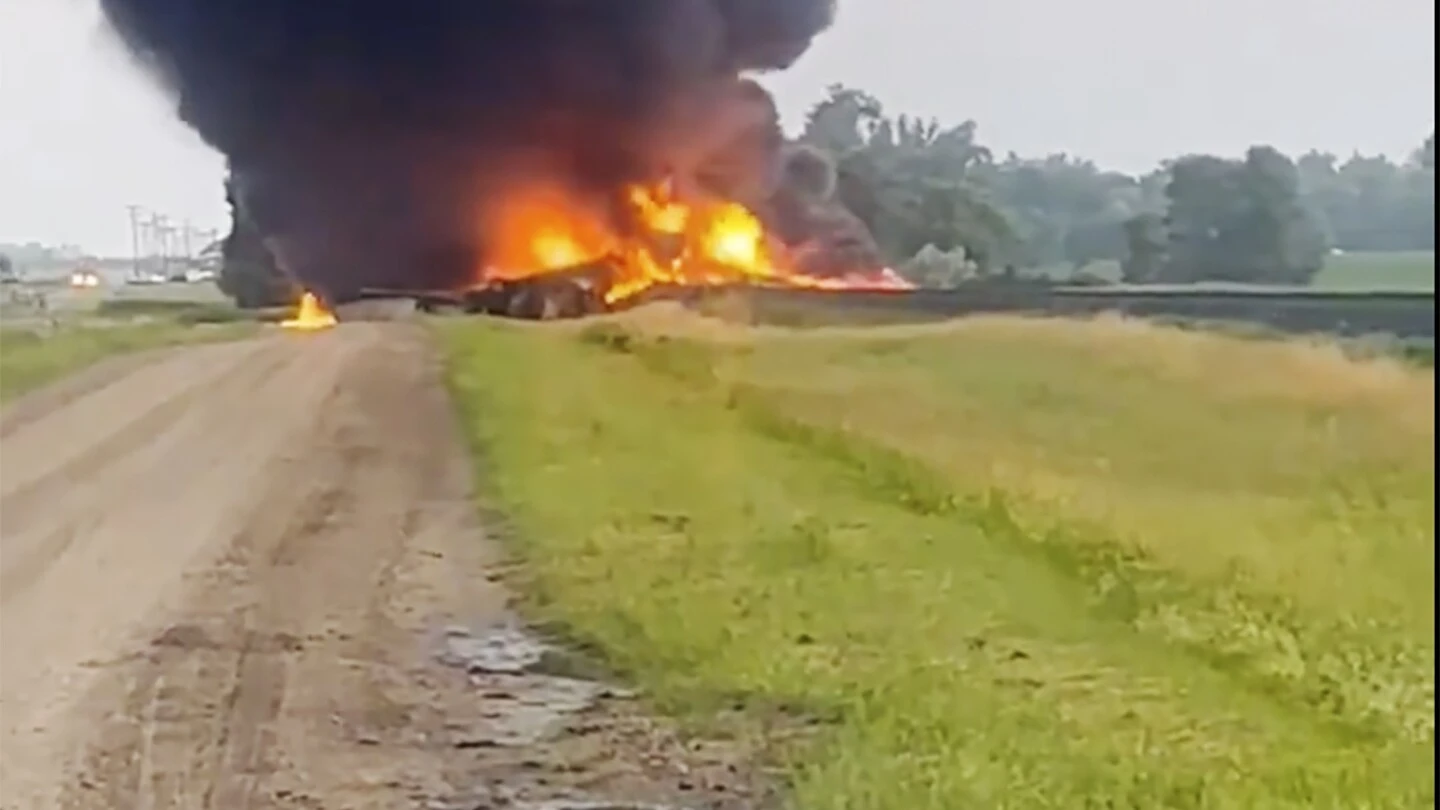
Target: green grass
997,564
1401,270
1406,270
30,359
182,311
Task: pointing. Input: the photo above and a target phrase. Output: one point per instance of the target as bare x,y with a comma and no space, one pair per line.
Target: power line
160,243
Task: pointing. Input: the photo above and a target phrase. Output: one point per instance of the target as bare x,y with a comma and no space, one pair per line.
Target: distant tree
1146,249
1371,203
1279,239
843,121
1064,210
1243,221
1420,196
909,181
1201,194
1095,239
1424,157
915,184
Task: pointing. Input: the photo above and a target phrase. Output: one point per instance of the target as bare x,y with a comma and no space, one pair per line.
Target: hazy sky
1125,82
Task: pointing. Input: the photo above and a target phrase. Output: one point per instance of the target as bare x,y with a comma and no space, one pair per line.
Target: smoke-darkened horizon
366,138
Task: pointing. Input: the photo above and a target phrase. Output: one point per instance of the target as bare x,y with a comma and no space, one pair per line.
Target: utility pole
134,239
160,231
208,237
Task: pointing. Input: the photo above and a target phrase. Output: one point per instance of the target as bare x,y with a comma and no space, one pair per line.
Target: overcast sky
1124,82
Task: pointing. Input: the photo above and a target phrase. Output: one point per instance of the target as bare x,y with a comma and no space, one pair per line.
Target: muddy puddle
523,706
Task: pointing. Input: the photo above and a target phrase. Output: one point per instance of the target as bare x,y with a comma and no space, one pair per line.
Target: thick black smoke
365,137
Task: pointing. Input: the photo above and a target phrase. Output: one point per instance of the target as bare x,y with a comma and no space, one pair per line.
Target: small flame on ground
311,315
702,242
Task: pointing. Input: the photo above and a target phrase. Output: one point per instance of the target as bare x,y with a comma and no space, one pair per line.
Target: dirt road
239,576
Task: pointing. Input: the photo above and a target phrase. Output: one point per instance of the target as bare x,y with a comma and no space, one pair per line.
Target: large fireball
699,242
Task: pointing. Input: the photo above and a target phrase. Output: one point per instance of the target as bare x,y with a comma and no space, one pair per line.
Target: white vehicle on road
84,279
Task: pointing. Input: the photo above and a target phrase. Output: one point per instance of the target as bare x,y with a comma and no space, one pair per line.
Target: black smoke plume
366,137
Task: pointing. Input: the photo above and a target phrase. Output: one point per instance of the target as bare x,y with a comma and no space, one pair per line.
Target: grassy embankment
31,358
1005,563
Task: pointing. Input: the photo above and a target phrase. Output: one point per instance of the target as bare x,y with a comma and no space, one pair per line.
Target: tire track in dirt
234,600
90,551
85,483
123,404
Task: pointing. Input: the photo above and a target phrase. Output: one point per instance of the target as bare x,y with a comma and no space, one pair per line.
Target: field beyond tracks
1362,271
1000,563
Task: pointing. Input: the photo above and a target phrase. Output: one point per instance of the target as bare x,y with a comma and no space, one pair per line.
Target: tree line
943,207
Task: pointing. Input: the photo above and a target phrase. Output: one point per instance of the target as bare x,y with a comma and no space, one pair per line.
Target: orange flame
688,243
542,230
310,315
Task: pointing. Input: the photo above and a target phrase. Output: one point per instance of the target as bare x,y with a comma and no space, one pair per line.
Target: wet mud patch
548,733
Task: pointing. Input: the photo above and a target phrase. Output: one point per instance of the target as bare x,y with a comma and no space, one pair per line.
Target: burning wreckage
533,158
559,263
554,271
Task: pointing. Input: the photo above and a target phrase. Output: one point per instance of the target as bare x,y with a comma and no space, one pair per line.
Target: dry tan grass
1315,373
